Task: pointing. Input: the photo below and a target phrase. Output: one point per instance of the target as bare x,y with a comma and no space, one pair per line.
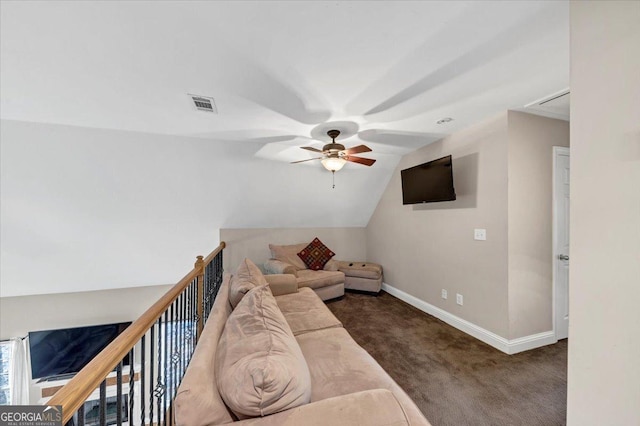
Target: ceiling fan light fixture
333,164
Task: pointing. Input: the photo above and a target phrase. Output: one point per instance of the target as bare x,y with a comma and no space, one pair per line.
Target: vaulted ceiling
281,74
279,69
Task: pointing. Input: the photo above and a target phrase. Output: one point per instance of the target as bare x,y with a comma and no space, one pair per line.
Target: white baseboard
505,345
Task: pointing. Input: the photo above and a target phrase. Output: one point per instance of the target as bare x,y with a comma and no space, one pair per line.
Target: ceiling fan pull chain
333,179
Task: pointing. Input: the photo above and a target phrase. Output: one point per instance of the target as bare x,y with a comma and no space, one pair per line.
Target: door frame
557,151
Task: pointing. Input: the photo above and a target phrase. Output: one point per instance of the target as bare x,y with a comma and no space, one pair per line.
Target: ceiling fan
335,155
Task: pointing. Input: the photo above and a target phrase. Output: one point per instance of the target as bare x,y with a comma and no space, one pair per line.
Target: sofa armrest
273,266
282,284
331,265
376,407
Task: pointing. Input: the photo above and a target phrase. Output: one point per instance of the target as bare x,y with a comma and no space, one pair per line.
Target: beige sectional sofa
341,383
328,283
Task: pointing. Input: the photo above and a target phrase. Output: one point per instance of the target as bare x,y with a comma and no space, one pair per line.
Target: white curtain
19,372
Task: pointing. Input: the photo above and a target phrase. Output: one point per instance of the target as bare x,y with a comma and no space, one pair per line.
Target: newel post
199,266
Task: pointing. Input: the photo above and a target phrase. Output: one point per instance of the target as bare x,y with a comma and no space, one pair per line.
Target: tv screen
68,350
428,182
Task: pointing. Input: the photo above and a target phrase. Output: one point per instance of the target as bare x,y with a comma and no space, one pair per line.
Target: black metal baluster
194,320
119,393
171,363
151,389
187,320
176,356
205,288
80,415
103,403
180,337
143,357
212,289
183,359
132,382
195,311
221,268
220,271
166,363
178,331
160,386
187,324
191,315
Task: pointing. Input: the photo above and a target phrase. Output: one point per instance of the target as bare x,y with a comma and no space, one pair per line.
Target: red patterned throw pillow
316,255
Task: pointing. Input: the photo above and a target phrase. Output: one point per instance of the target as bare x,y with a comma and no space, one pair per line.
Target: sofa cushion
332,265
247,277
317,279
305,312
372,271
274,266
316,255
339,366
282,284
377,407
259,366
289,254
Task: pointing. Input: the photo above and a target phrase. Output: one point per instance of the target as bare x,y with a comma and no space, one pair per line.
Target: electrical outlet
480,234
444,293
459,299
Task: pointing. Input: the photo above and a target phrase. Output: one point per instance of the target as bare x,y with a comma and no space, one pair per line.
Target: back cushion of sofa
247,277
260,368
289,254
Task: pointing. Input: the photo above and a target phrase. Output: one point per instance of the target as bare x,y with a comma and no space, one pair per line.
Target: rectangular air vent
558,97
204,103
556,105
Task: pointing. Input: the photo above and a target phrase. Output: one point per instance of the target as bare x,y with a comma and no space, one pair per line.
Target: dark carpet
454,378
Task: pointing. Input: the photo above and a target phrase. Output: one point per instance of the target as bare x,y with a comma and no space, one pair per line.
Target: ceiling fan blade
308,159
310,148
357,149
360,160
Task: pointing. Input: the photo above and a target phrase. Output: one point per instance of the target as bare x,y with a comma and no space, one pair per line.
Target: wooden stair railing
172,325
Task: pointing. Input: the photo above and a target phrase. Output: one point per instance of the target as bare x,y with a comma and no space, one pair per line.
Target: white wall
604,330
94,209
502,174
346,243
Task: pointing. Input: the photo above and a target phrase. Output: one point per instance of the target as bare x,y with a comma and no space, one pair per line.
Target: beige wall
425,248
604,328
21,314
503,178
531,142
346,243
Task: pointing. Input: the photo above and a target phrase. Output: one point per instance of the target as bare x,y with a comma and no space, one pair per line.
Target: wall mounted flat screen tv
429,182
62,352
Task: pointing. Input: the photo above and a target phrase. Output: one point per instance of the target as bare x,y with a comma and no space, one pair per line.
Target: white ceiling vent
204,103
554,106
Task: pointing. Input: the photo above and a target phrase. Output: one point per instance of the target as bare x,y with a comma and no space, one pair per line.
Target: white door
561,241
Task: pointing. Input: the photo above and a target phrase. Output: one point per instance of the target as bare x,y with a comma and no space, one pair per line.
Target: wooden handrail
77,390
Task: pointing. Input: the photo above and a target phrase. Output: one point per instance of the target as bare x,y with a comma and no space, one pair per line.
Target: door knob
563,257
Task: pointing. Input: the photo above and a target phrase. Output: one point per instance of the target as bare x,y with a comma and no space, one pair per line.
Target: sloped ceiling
281,73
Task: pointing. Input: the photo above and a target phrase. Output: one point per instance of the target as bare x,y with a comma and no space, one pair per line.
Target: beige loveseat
344,384
328,283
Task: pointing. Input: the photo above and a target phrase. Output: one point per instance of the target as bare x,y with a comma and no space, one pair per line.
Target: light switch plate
459,299
444,293
480,234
